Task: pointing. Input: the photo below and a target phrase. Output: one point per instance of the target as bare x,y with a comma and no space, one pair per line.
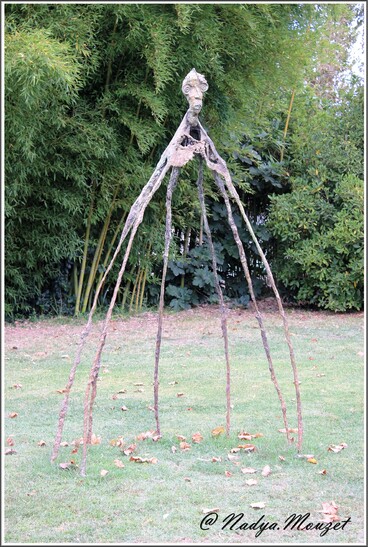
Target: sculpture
189,141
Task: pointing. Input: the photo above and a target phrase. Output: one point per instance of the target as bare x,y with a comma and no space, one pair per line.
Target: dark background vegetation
93,96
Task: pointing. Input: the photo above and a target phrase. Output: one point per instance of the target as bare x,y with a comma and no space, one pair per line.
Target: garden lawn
165,501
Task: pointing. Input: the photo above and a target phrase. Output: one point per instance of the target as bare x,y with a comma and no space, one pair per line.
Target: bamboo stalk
171,186
219,293
185,252
125,294
138,289
110,248
134,289
287,124
259,317
143,288
85,251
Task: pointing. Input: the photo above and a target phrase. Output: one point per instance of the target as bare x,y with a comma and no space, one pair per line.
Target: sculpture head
194,85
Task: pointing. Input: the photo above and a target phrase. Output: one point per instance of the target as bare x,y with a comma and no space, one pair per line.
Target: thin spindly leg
219,292
171,186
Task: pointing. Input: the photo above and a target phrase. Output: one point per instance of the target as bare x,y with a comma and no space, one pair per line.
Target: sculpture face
194,85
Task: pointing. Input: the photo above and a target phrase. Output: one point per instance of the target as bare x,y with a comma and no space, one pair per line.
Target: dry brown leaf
180,394
216,459
137,459
337,448
234,450
323,472
114,397
281,458
61,390
206,511
189,408
184,446
13,414
122,391
41,443
64,443
151,408
103,472
124,408
130,449
249,470
181,438
251,482
312,460
138,384
10,451
249,436
305,456
156,438
145,435
217,431
233,457
10,441
197,438
291,430
17,386
174,383
247,447
117,442
329,509
173,449
67,465
95,439
74,451
139,390
228,474
266,471
32,493
258,505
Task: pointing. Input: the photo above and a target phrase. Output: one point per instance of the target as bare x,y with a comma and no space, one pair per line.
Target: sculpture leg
235,195
141,202
219,293
244,263
171,186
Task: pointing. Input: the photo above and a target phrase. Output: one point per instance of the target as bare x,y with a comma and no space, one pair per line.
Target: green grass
155,503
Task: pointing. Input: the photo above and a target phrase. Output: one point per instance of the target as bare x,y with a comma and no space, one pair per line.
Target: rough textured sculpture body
190,140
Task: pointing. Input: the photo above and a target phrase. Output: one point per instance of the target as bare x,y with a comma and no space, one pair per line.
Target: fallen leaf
197,438
258,505
206,511
61,390
281,458
77,442
173,383
10,441
145,435
95,439
337,448
41,443
117,442
138,384
234,450
323,472
124,408
32,493
251,482
17,386
320,375
248,470
233,457
122,391
130,449
228,474
137,459
247,447
64,443
67,465
114,397
217,431
139,390
312,460
151,408
305,456
13,414
291,430
184,446
180,394
156,438
173,449
181,438
103,472
74,451
329,509
266,471
189,408
216,459
249,436
10,451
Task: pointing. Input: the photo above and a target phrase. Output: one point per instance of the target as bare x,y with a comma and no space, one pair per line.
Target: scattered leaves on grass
41,443
181,438
10,441
197,438
184,446
217,431
103,472
216,459
10,451
128,451
117,442
145,435
337,448
206,511
124,408
251,482
323,472
291,430
247,447
244,436
248,470
258,505
95,439
329,509
228,474
312,460
13,414
266,471
137,459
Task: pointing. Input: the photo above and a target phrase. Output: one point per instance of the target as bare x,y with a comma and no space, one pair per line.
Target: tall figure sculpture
190,141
